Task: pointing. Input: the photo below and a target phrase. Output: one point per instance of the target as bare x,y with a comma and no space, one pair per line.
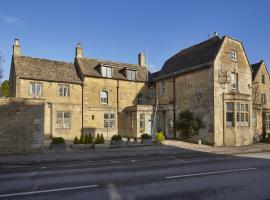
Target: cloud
10,19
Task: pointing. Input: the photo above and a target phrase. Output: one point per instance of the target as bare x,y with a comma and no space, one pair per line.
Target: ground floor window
142,121
63,120
242,115
254,119
109,120
229,113
267,122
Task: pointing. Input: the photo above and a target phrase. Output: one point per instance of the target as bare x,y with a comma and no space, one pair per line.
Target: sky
119,29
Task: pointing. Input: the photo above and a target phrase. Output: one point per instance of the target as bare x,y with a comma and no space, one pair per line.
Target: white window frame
234,81
142,121
229,114
63,90
242,114
104,97
106,71
267,122
63,120
233,55
163,87
35,88
109,120
131,74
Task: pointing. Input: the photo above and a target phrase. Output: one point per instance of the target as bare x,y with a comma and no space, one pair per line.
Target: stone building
212,79
87,96
261,101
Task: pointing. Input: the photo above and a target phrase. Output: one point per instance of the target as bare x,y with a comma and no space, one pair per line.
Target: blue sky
118,30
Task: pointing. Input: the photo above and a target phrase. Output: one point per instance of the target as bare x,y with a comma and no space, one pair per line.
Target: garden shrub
146,136
76,140
116,137
58,140
81,139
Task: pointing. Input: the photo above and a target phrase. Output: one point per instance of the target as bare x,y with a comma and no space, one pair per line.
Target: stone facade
22,124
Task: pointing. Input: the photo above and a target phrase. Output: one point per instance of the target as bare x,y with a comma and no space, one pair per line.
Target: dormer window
106,71
131,74
233,55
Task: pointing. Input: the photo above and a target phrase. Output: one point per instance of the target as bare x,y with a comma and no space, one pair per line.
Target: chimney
79,51
215,34
141,60
16,48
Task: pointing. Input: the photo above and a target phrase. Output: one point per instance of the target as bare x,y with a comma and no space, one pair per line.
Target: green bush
266,138
81,139
90,139
99,139
160,136
116,137
85,139
76,140
146,136
58,140
102,141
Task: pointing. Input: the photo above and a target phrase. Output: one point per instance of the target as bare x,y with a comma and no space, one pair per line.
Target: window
233,55
104,97
131,74
106,72
263,98
163,87
63,120
63,90
142,121
151,92
229,113
140,99
234,81
267,121
35,89
108,120
254,119
242,115
263,78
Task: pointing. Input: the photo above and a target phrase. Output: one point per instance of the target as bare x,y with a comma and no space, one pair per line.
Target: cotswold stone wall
21,124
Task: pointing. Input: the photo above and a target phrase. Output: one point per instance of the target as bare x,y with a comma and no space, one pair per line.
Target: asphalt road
198,176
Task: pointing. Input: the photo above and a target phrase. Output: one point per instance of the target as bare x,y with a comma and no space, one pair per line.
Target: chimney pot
16,47
79,51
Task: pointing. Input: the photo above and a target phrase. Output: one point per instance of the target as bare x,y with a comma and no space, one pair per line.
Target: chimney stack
79,51
16,48
141,60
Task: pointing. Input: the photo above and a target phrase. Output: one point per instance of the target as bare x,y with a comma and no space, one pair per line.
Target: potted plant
58,144
146,139
99,142
116,140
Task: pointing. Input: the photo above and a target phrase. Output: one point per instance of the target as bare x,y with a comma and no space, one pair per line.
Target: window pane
229,106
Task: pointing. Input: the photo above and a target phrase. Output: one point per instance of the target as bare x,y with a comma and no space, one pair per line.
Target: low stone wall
21,125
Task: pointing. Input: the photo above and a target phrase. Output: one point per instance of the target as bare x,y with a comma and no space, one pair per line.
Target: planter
58,147
147,141
117,142
100,146
82,146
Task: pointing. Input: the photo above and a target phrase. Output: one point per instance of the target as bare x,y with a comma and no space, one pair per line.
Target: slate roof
255,68
43,69
197,55
89,67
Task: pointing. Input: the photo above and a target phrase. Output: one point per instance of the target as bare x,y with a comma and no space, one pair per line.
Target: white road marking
47,191
210,173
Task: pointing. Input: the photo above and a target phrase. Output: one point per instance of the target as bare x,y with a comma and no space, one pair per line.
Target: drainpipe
82,105
117,105
223,111
51,120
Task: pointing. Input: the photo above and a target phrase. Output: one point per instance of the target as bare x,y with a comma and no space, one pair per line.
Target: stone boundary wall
21,125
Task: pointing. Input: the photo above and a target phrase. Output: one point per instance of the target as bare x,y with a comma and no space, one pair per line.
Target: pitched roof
42,69
89,67
255,68
197,55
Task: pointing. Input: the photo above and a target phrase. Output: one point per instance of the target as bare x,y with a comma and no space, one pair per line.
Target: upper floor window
229,113
234,81
63,120
263,98
151,92
63,90
233,55
108,120
131,74
140,99
263,78
242,115
106,71
35,89
104,97
163,87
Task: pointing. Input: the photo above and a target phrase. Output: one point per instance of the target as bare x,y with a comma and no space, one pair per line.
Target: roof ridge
116,62
45,59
